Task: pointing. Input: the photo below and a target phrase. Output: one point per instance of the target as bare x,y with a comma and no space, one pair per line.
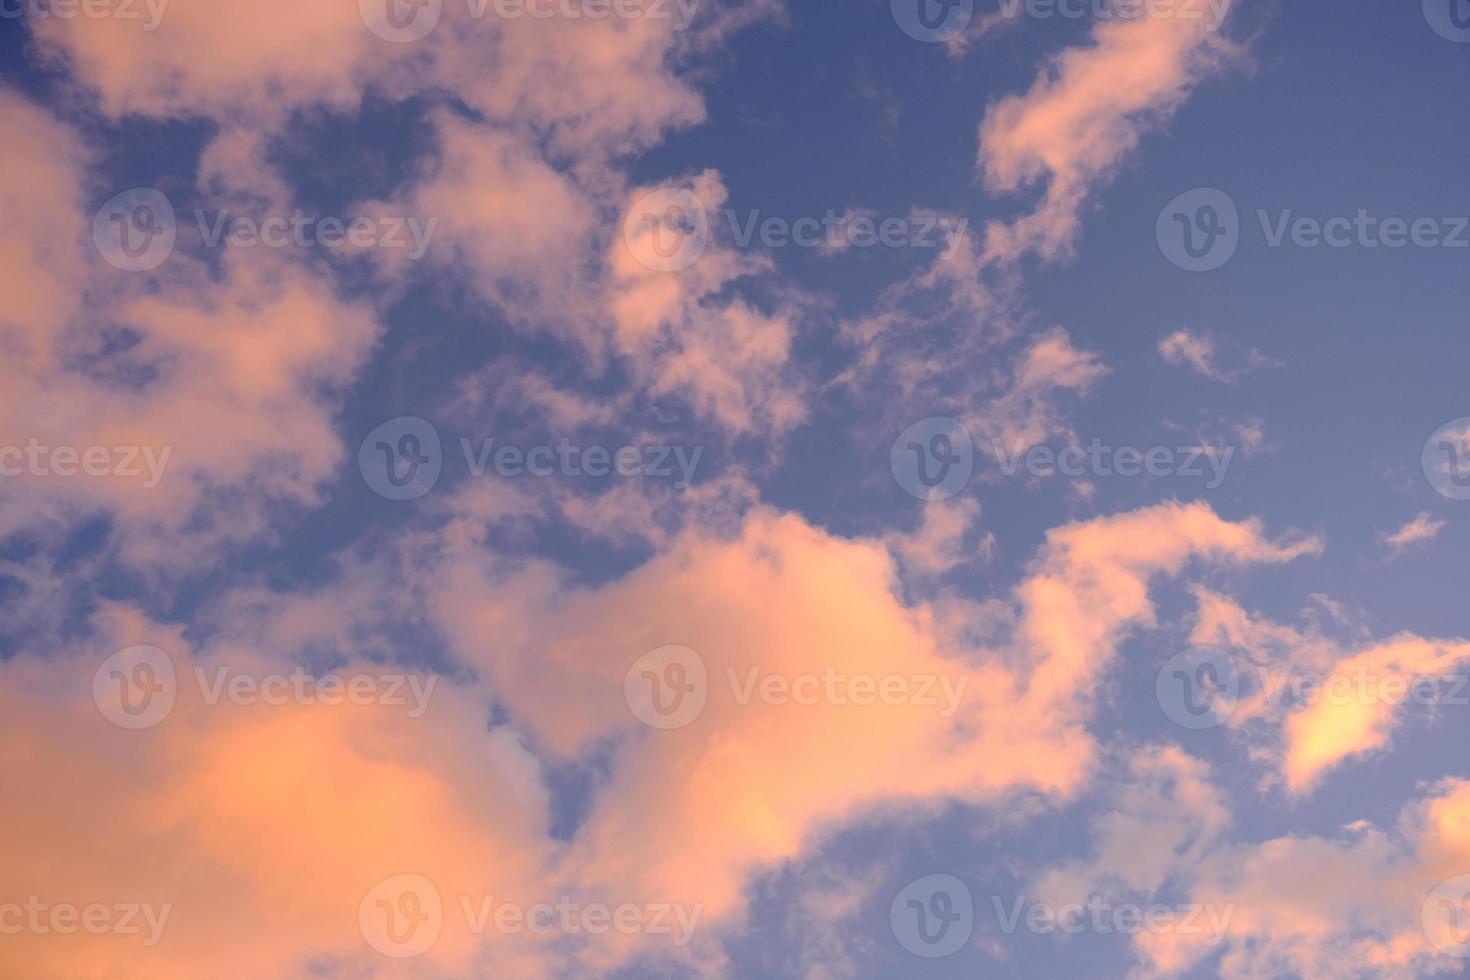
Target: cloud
1351,703
262,826
210,380
1335,908
1087,111
780,598
1200,353
1421,529
1356,905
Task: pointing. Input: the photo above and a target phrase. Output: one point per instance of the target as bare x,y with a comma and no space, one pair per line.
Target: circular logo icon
933,916
135,688
1449,18
401,916
667,688
932,21
401,21
136,230
1199,230
933,459
1199,688
401,459
1446,917
667,229
1446,459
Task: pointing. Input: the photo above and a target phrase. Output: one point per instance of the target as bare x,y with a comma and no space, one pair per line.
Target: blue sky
544,158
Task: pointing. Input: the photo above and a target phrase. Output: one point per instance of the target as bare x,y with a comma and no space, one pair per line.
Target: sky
760,489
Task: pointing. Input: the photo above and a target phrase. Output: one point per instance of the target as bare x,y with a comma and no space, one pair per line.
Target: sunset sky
734,488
